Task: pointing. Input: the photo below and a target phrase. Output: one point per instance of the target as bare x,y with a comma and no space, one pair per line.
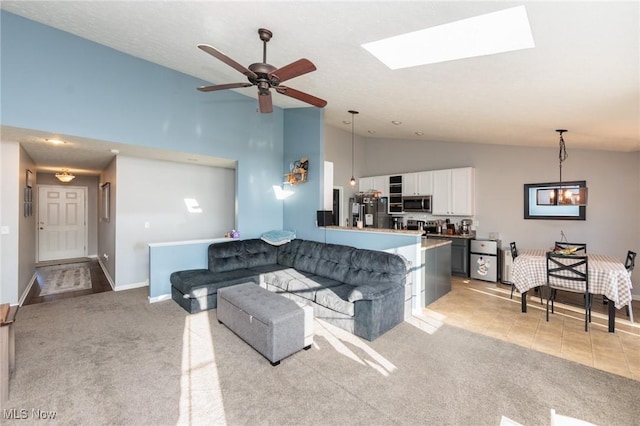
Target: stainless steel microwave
417,203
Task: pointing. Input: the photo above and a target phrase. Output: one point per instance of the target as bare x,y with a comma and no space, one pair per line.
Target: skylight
496,32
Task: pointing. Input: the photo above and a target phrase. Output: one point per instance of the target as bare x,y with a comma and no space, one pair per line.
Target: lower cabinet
436,273
460,248
460,257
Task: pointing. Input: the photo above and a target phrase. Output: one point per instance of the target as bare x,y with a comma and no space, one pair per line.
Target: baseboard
106,274
160,298
23,298
131,286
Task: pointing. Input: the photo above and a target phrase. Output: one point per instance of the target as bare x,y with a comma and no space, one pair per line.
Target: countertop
433,243
379,230
470,236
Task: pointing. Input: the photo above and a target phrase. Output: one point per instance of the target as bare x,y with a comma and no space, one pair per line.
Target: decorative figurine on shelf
298,171
232,234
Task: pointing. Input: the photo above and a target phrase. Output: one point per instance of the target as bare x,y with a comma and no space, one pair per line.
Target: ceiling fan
266,76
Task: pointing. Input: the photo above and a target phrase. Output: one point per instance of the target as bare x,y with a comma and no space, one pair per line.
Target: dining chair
514,254
568,273
629,264
581,248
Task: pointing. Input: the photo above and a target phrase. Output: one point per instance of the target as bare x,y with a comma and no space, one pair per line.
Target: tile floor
486,308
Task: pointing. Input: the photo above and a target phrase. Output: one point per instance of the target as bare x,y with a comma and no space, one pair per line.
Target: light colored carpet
113,358
66,278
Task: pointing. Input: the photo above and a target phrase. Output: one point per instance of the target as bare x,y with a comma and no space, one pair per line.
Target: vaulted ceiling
582,75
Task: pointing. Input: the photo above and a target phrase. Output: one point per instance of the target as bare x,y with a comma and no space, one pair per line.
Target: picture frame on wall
29,179
106,197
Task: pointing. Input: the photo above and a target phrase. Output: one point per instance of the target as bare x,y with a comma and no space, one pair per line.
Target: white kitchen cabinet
420,183
425,183
365,184
453,192
381,183
378,183
409,184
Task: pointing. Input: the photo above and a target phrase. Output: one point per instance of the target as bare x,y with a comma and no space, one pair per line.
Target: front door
62,229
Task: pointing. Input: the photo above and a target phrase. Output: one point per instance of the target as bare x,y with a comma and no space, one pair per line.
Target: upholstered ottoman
272,324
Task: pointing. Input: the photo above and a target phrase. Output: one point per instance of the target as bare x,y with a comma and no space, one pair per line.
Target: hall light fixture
353,113
65,176
559,195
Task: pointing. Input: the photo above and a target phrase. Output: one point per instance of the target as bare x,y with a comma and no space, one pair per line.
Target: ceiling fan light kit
266,76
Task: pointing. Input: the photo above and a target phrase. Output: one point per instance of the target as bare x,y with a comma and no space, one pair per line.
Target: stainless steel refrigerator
484,259
372,211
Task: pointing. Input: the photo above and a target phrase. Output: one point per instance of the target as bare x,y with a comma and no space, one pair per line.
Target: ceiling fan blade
264,102
294,69
301,96
223,87
227,60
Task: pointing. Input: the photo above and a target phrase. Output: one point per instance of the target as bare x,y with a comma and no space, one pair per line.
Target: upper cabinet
409,184
420,183
453,192
377,183
365,184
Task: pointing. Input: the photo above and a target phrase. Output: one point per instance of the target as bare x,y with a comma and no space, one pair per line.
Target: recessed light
503,31
396,122
55,141
419,133
346,122
371,132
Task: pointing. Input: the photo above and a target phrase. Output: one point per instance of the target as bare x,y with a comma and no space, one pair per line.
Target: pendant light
563,196
353,113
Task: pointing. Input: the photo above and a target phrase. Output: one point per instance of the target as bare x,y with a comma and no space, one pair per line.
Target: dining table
607,276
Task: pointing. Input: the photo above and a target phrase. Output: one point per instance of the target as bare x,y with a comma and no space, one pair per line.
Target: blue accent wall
304,137
56,82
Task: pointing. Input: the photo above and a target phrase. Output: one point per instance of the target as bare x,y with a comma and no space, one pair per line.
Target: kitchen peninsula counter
428,244
378,230
470,236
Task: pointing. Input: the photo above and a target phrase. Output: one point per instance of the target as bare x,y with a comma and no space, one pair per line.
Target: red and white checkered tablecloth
607,275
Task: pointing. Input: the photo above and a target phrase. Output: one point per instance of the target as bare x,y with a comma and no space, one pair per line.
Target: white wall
107,230
9,209
149,208
26,225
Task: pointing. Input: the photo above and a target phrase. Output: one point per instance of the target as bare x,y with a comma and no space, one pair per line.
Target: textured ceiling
583,74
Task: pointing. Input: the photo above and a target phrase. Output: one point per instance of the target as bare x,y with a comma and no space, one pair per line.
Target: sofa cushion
287,253
307,287
202,282
227,256
260,253
309,254
336,299
369,266
334,261
265,269
281,278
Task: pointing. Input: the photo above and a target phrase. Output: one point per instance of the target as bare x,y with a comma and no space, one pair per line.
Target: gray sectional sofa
361,291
